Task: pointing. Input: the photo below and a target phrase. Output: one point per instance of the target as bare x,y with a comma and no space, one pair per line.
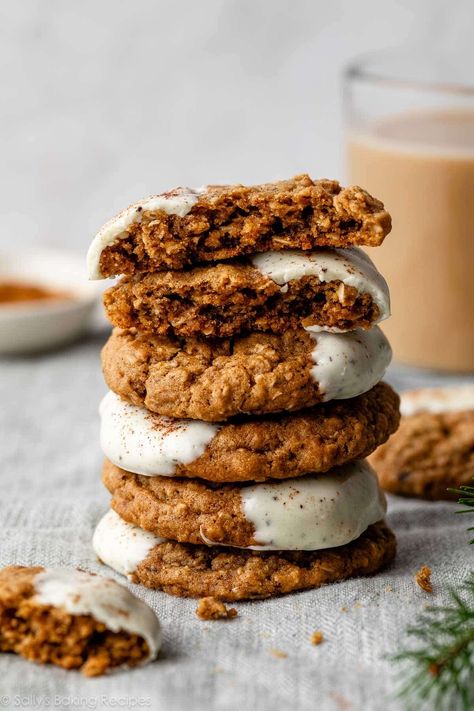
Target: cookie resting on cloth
307,513
433,450
187,226
329,289
74,619
231,574
214,379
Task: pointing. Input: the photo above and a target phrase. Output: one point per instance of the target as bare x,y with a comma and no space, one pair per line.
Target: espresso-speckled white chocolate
145,443
176,202
81,593
436,400
120,545
315,512
350,266
349,364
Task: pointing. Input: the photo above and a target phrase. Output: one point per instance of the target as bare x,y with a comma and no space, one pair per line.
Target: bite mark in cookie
186,226
308,513
332,290
232,574
213,380
74,619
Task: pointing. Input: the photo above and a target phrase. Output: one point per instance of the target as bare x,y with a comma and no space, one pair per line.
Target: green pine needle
466,498
441,669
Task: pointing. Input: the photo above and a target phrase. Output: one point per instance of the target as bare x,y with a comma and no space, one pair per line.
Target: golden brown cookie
75,620
307,513
276,291
232,574
249,449
430,453
214,379
184,226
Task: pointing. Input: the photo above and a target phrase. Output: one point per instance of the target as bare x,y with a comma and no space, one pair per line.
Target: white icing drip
349,364
449,399
144,443
121,545
315,512
351,266
177,202
80,593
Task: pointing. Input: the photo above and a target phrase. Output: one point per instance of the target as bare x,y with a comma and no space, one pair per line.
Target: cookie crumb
278,653
317,638
389,588
210,608
423,579
344,609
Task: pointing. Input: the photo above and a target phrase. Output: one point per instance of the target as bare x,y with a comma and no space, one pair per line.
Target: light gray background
104,101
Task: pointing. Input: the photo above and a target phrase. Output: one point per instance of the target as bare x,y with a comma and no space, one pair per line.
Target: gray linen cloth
52,498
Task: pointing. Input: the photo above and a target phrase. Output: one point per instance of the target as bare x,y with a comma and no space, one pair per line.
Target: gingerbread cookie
230,573
75,620
434,448
186,226
334,290
248,449
213,380
306,513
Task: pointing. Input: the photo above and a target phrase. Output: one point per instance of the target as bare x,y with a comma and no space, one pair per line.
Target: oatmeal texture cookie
231,574
307,513
339,290
431,452
98,626
249,449
186,226
213,380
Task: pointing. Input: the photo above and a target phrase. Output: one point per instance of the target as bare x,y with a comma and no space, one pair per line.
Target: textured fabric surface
52,498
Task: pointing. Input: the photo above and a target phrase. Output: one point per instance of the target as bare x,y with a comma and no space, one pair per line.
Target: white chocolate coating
349,364
81,593
144,443
308,513
449,399
351,266
176,202
315,512
121,545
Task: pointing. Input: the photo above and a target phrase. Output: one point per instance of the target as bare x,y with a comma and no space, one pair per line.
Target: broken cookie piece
189,226
334,290
74,619
210,608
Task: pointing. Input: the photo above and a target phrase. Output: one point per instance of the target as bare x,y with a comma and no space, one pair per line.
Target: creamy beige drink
422,166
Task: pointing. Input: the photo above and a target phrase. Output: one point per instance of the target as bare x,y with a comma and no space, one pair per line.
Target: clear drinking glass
410,142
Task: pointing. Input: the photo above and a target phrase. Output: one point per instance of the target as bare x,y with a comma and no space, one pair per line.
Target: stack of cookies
244,373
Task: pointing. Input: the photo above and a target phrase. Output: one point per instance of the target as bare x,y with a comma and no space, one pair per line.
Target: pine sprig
441,672
466,498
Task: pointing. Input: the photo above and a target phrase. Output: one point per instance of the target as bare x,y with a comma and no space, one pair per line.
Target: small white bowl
31,326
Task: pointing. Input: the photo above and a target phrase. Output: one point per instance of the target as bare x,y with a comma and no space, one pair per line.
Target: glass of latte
410,141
